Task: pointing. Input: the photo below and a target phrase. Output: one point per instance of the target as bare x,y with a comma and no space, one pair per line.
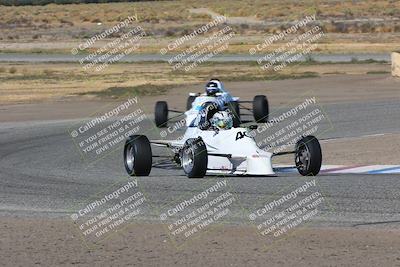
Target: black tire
260,108
233,107
161,114
137,155
194,158
308,157
189,102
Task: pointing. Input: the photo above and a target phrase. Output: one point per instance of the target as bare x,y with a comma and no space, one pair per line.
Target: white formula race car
207,151
215,93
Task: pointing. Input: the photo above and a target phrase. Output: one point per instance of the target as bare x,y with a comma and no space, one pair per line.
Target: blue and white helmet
213,87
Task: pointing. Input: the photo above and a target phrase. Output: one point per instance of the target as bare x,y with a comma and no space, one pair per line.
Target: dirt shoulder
50,242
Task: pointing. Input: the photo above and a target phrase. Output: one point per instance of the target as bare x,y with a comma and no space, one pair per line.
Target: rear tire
138,156
260,108
189,102
233,107
161,114
194,158
308,157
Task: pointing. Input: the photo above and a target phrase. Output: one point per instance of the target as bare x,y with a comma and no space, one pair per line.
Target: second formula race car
216,93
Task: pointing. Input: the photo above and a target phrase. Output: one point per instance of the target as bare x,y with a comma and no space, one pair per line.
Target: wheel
308,157
137,155
233,107
189,102
260,108
194,158
161,114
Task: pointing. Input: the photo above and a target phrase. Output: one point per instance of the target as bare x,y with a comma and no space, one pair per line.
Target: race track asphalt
42,174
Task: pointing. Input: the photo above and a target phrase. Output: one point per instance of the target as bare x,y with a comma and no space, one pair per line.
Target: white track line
343,169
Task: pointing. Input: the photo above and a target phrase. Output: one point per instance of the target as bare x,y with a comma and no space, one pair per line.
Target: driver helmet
213,87
222,120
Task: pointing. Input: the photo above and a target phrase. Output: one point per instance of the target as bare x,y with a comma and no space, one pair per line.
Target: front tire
260,108
138,156
308,157
161,114
194,158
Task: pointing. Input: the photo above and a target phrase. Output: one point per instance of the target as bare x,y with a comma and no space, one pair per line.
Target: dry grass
88,14
38,82
285,9
173,11
58,28
238,44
